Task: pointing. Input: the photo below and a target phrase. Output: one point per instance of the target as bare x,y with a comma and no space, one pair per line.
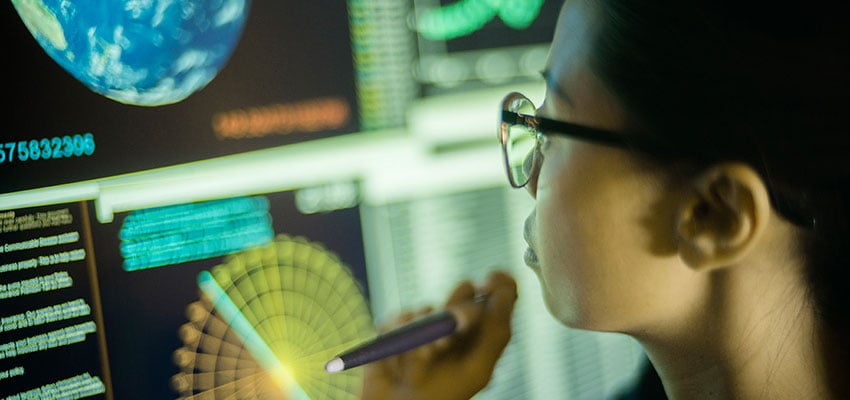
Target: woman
704,213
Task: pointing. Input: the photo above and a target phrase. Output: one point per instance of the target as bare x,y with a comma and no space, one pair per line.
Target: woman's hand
456,366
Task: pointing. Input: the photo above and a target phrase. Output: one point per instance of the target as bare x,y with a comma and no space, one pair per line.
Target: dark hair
766,83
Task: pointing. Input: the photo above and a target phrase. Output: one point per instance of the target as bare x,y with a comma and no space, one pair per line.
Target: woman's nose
532,168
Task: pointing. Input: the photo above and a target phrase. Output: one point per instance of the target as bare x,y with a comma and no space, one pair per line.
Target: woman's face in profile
602,227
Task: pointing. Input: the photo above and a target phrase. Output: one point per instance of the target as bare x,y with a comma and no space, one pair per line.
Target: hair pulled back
766,83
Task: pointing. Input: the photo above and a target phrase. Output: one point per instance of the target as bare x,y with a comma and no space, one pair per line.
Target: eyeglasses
521,132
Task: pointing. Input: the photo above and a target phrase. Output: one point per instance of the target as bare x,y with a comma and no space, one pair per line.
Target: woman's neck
750,339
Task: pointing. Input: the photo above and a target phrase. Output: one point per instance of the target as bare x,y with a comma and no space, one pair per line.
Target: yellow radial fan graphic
267,321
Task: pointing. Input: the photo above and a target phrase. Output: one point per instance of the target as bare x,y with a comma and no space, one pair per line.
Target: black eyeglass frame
545,126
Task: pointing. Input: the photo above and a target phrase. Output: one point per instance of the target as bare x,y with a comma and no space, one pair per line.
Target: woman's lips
530,258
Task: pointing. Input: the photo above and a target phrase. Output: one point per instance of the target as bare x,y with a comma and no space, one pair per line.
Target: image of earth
138,52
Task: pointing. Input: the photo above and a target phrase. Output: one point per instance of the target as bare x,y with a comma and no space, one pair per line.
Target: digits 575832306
77,145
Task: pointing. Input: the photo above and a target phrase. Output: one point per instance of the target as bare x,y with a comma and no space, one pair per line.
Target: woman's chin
531,260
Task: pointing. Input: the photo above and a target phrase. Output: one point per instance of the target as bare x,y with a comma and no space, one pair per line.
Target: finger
415,364
392,367
493,332
425,311
501,290
499,280
495,326
424,350
395,366
462,293
461,296
408,318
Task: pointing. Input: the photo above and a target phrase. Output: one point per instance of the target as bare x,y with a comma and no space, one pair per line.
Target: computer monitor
141,208
148,164
84,104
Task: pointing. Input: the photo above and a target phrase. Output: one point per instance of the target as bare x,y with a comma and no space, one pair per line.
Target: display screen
217,296
83,102
468,45
118,310
212,198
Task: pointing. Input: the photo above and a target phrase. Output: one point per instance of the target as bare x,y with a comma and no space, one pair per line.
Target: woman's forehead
574,92
570,46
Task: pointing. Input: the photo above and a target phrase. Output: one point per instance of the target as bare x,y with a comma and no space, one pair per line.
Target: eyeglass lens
520,142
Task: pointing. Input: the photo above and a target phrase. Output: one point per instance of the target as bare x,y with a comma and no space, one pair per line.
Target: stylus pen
417,333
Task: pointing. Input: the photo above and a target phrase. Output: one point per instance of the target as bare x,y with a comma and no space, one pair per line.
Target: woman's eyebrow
553,86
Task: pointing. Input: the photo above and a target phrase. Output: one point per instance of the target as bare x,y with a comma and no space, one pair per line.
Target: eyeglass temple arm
515,118
550,126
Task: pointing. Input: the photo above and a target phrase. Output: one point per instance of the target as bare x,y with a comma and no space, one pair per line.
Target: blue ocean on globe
139,52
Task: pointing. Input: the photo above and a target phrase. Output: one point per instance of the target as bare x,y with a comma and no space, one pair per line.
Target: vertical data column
384,51
51,342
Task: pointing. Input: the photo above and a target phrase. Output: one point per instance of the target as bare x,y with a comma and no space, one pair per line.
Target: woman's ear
722,215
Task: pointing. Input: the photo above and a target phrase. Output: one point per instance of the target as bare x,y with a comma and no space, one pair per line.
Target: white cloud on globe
145,53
